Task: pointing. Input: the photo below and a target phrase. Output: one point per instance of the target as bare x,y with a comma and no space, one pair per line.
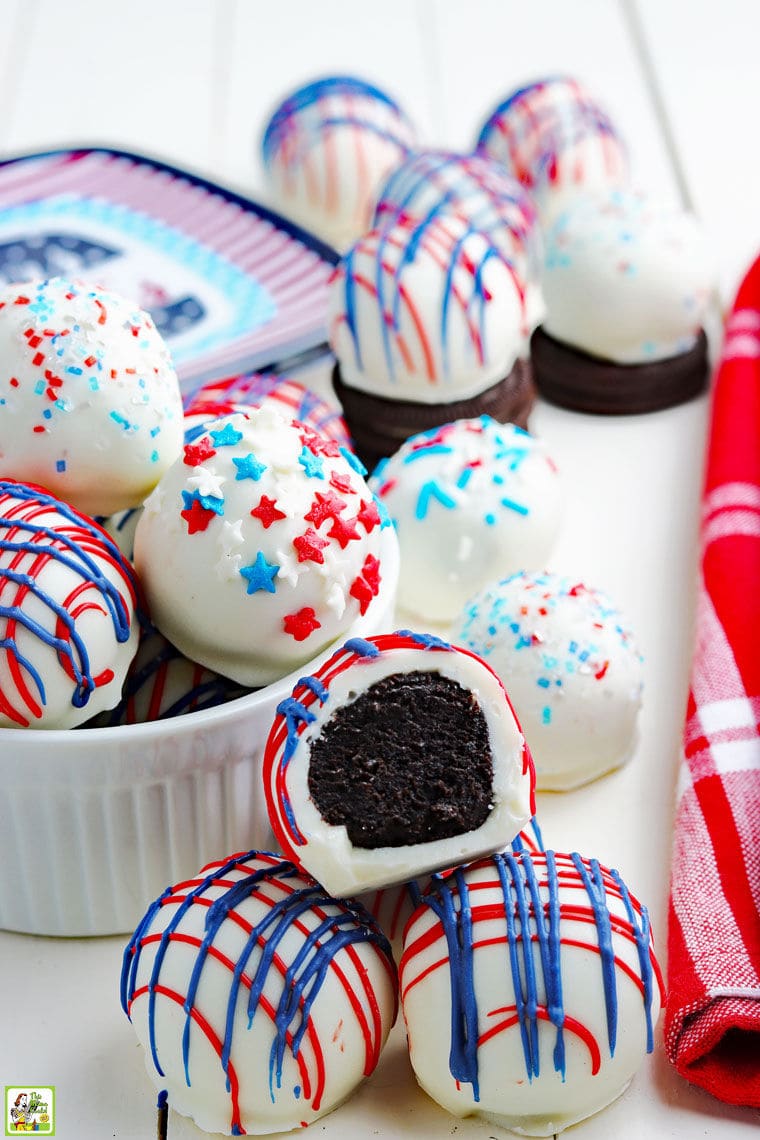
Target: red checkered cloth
712,1023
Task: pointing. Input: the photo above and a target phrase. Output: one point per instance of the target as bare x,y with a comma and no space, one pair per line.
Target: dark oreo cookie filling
409,761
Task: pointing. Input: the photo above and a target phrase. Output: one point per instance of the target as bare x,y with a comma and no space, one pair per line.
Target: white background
193,82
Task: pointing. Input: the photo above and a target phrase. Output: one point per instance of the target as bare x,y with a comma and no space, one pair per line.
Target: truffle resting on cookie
426,321
627,282
401,755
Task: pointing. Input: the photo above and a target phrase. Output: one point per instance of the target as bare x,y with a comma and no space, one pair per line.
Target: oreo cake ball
426,322
530,990
260,546
399,756
627,282
261,1002
468,499
90,405
479,190
572,668
327,148
556,139
68,600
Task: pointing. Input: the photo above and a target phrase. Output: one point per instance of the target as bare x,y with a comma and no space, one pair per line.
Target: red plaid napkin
712,1023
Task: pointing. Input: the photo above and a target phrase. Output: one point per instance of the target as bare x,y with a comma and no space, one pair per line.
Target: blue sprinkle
353,461
511,505
546,715
489,519
60,465
544,682
313,465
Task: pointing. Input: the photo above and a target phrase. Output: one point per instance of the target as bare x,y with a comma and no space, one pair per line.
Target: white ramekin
95,823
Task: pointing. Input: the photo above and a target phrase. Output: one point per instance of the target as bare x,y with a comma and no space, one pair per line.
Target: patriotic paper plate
231,285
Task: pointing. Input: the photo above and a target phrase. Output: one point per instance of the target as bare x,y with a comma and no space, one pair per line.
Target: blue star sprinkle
249,467
260,575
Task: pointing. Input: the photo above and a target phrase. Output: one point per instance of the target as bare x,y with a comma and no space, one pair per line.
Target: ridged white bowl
95,823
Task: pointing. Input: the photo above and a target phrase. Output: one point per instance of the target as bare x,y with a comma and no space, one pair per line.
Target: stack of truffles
158,558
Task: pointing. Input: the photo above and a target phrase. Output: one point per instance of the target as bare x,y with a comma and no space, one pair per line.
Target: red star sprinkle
319,444
309,546
197,517
300,625
341,483
197,453
366,585
325,506
344,531
266,512
371,572
369,515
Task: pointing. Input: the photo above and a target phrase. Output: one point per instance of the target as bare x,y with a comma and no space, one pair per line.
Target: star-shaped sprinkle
302,624
319,444
207,483
267,512
366,585
249,467
197,453
336,600
226,436
309,546
260,575
369,515
312,464
344,531
341,483
325,506
290,568
196,515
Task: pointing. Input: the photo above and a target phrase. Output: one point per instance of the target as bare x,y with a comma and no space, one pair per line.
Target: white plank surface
193,81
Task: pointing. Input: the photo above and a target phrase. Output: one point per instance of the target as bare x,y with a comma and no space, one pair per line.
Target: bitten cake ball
90,405
261,546
627,281
572,669
530,990
68,629
327,148
468,500
556,139
260,1001
426,321
401,755
480,191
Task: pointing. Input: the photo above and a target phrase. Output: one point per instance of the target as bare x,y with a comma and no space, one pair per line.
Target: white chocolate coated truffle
469,500
261,1003
68,625
327,148
427,312
555,138
418,786
571,668
260,547
530,990
626,278
90,405
480,191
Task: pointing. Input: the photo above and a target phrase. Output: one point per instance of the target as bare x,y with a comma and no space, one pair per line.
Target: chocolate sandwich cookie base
379,426
574,379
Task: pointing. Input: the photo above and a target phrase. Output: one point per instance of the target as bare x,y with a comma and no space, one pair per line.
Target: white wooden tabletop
193,82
